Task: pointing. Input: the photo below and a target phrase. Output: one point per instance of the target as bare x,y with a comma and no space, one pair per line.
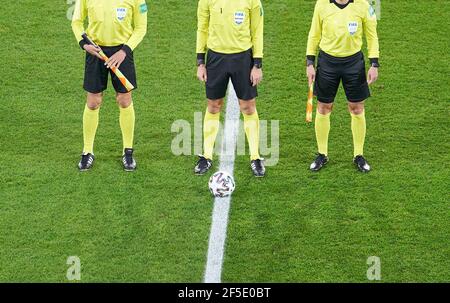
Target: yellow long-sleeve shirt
111,22
230,26
339,31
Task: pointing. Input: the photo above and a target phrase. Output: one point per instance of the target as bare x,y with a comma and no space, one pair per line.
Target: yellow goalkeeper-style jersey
339,31
230,26
111,22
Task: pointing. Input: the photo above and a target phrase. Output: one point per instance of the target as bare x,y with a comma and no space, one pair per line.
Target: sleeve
79,15
370,31
315,33
257,28
202,26
140,24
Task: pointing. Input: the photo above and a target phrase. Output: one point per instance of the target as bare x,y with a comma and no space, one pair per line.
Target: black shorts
221,67
330,71
96,73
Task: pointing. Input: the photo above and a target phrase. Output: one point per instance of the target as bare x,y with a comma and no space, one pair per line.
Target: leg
246,93
359,134
240,77
90,124
357,90
322,126
127,118
95,82
248,107
356,110
325,88
251,126
216,88
211,126
90,121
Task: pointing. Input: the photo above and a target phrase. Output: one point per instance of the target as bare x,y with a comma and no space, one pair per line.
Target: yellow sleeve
202,26
79,15
315,33
257,28
370,30
140,24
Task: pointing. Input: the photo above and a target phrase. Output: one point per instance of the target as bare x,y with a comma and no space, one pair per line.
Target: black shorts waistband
328,56
111,47
234,54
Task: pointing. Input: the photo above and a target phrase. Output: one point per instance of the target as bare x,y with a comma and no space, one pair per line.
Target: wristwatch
375,64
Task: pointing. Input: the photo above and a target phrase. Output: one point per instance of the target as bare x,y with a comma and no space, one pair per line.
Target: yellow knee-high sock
322,127
251,127
127,120
359,133
90,124
211,125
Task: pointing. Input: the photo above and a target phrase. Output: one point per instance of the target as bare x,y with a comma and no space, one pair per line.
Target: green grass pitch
153,225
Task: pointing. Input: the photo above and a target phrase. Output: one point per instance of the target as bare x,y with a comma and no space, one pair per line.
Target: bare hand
115,60
201,73
372,75
311,74
93,50
256,76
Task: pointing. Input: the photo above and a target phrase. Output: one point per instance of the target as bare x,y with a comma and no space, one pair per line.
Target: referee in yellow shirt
337,29
230,46
117,26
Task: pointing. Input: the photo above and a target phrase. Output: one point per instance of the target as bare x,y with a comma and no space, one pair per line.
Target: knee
248,107
94,100
215,106
356,108
124,100
324,108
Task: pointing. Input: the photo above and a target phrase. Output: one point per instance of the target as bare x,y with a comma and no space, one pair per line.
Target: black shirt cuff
257,62
82,43
310,60
201,58
127,50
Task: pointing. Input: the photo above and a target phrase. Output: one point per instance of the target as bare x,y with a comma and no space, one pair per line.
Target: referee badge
352,27
121,13
239,17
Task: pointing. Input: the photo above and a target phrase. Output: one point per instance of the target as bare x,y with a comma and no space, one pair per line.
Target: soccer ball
221,184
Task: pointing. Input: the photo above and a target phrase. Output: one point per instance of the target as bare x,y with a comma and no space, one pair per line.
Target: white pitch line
218,234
